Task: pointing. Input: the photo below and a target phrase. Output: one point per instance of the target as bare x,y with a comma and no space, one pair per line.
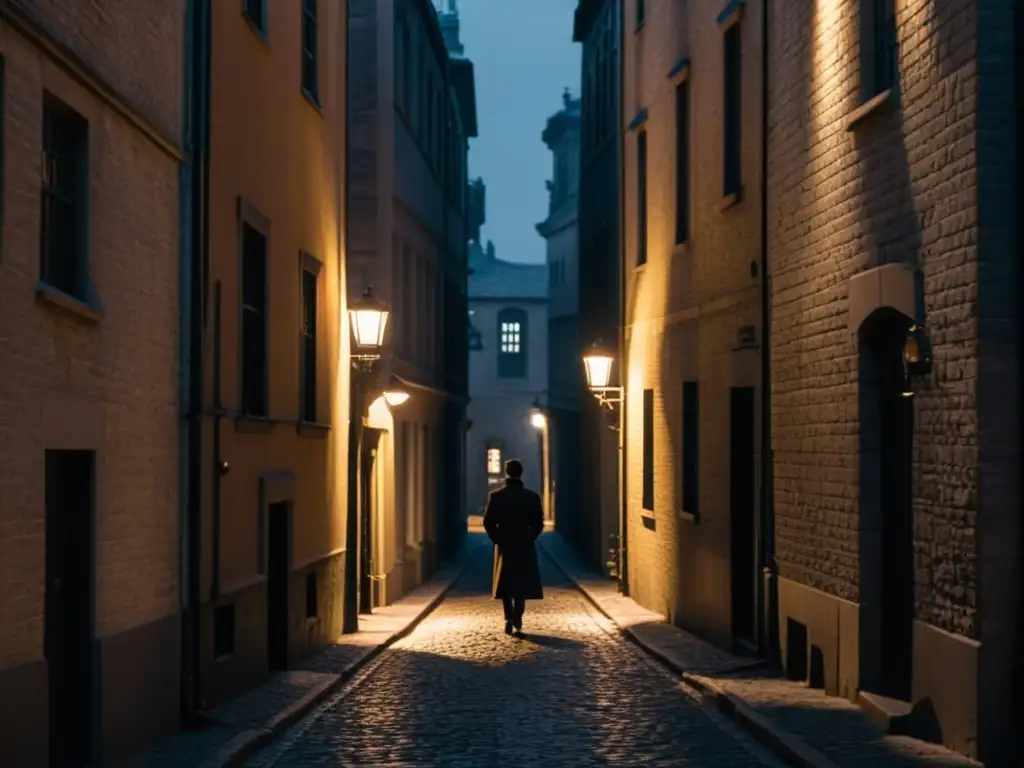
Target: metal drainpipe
768,594
195,185
623,410
218,472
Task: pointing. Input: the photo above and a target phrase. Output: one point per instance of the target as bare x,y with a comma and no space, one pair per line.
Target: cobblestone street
459,692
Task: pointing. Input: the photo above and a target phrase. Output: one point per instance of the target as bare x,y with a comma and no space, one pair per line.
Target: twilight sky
524,57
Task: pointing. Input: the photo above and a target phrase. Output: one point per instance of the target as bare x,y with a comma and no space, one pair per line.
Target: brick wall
900,187
68,382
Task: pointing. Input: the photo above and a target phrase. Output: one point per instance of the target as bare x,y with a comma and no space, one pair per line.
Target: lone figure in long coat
513,520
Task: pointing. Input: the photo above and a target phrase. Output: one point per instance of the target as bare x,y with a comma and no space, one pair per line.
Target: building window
878,53
63,198
641,11
256,12
732,110
307,376
691,448
683,162
254,322
641,198
310,84
224,631
648,448
494,460
512,343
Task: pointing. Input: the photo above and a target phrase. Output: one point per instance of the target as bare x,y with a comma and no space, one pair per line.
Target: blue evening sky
524,57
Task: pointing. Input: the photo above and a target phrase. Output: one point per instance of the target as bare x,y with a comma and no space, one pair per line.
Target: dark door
68,605
371,437
278,568
743,557
897,560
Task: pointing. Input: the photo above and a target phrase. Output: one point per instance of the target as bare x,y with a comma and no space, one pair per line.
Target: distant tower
448,14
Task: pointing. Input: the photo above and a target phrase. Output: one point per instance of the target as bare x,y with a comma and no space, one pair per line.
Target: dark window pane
254,10
733,98
61,205
254,319
308,352
691,447
683,162
641,195
648,449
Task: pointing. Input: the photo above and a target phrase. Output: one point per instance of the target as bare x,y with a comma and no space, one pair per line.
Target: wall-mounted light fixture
369,319
598,361
396,393
917,356
538,419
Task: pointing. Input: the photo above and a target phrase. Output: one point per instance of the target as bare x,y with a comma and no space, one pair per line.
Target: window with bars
512,343
879,46
62,198
310,59
256,12
733,97
307,381
641,198
254,322
683,162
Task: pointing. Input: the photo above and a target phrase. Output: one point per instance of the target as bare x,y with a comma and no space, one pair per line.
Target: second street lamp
368,319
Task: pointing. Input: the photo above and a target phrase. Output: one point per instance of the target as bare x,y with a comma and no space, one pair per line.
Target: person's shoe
508,627
518,623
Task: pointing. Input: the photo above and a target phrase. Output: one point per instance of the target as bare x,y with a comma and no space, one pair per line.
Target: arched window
512,343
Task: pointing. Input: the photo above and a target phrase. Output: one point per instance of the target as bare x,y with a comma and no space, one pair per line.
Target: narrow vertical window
683,162
254,322
691,449
648,448
62,199
641,198
879,46
256,12
310,60
732,111
641,12
307,381
495,471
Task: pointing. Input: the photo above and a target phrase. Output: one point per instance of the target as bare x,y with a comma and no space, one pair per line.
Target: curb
785,746
243,745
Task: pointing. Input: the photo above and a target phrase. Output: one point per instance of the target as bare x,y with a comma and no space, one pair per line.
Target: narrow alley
459,692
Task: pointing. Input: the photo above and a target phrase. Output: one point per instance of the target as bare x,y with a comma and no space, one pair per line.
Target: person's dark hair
513,469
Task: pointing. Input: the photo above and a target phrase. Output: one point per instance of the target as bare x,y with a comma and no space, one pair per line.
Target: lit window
512,343
494,461
510,338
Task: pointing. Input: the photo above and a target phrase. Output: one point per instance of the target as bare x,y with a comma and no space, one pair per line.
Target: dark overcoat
514,519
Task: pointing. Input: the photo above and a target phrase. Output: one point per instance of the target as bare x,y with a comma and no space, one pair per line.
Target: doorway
886,511
742,553
68,630
278,571
368,507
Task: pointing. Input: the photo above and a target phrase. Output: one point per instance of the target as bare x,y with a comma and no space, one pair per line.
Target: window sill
883,102
90,311
312,100
647,518
690,517
681,250
639,26
638,268
729,200
254,425
312,429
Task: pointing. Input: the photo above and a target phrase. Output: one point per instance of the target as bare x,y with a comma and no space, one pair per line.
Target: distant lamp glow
598,365
396,394
538,420
368,318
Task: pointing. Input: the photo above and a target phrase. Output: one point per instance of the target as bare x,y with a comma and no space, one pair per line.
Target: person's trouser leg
508,605
519,608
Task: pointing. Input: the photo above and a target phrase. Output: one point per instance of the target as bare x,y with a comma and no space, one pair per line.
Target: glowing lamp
597,363
368,318
538,419
395,394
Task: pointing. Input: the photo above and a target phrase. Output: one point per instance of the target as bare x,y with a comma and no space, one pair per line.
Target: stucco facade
892,201
412,113
274,362
89,303
565,386
691,261
594,526
508,376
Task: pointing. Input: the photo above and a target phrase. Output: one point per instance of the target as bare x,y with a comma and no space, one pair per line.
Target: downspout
219,467
194,245
623,410
768,594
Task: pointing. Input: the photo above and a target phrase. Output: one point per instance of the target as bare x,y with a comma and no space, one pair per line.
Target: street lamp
538,420
597,364
368,319
396,394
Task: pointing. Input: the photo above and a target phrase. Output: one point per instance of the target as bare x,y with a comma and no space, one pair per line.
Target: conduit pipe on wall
194,245
623,357
768,594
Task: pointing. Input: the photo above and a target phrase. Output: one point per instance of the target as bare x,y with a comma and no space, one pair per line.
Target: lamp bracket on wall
608,397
